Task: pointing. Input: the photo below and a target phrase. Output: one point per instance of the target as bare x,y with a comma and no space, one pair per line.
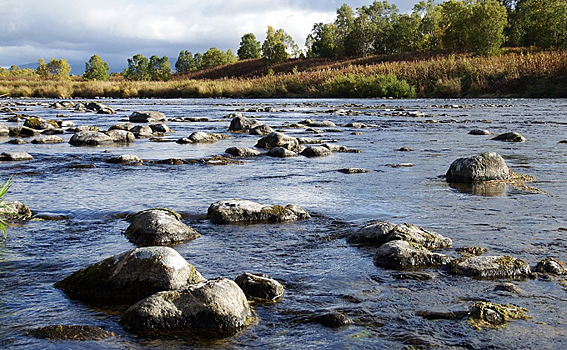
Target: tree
198,60
453,24
278,46
322,42
185,62
406,36
486,24
137,68
343,27
42,69
215,57
541,23
59,69
249,47
159,68
96,69
428,30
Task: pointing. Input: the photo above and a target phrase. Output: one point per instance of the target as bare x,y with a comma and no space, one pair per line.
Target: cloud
119,29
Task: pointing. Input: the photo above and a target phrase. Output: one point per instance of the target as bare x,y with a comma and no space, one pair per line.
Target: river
321,272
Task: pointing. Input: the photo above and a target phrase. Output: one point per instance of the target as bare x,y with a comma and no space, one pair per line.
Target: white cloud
118,29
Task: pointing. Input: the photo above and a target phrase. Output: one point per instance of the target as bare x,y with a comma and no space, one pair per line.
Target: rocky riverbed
309,224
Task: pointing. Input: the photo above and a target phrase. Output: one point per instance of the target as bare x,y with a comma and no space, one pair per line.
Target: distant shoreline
512,74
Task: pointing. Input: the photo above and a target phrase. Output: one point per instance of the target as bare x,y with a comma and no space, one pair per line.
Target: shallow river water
321,272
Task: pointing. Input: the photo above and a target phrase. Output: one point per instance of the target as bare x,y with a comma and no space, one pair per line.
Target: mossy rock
485,314
78,333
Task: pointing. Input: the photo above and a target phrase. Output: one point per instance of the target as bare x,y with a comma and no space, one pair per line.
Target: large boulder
260,287
316,151
90,138
44,140
483,167
487,314
14,211
490,267
380,232
243,211
213,308
15,156
372,234
141,131
121,136
261,130
131,276
242,124
278,139
147,117
38,123
158,227
402,255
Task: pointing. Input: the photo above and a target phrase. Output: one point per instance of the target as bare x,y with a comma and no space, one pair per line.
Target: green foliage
278,46
59,69
42,69
249,47
322,42
3,191
159,68
185,62
96,69
137,68
360,85
215,57
541,23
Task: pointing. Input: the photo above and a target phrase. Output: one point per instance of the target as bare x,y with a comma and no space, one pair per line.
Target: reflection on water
83,200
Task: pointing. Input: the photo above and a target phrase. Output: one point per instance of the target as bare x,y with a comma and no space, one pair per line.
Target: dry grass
515,73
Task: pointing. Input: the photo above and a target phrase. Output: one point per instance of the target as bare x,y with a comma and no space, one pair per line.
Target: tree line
477,26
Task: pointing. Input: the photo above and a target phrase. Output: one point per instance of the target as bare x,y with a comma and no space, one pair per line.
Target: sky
119,29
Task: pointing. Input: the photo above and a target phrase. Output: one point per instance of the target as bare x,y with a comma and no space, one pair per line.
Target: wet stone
65,332
15,156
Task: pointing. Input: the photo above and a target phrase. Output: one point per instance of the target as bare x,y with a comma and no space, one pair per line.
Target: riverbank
513,74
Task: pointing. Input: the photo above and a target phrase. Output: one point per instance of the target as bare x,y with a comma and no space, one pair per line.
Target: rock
354,170
15,211
483,167
490,267
47,140
81,128
479,132
401,255
261,130
242,152
203,137
260,287
64,332
90,138
380,232
4,130
510,137
15,156
563,142
99,108
309,141
124,159
552,266
158,227
212,308
124,126
243,211
405,149
278,139
53,132
24,131
318,124
509,288
467,251
330,320
141,131
37,123
121,136
316,151
373,234
356,125
416,234
17,142
242,124
280,152
161,128
147,117
131,276
486,314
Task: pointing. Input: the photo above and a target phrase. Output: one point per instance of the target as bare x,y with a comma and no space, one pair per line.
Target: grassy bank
514,74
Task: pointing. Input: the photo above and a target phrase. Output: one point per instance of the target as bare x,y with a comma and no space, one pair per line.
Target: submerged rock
479,132
90,138
552,266
510,137
260,287
64,332
243,211
124,159
158,227
484,167
331,320
486,314
503,266
401,255
15,156
147,117
280,152
131,276
354,170
212,308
